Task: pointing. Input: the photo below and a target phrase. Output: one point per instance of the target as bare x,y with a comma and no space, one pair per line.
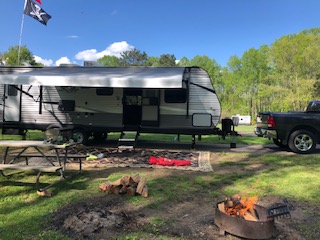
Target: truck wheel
81,136
279,143
302,141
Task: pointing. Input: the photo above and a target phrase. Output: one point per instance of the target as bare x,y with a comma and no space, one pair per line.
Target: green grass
206,139
31,135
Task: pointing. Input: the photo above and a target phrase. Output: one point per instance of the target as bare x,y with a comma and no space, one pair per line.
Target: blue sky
88,29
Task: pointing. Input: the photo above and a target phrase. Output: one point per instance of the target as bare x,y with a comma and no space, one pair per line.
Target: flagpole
20,40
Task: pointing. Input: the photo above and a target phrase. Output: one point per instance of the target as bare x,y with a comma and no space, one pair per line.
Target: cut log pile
129,185
240,207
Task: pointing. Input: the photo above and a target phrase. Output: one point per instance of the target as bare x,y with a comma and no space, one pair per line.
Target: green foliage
281,77
133,57
153,61
13,58
109,61
167,60
184,62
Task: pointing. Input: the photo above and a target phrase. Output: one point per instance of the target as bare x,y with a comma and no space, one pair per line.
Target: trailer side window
12,90
175,95
106,91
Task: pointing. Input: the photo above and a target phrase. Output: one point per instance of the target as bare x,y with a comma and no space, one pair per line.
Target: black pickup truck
300,131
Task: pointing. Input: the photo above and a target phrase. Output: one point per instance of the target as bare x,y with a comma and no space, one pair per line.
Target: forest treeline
282,76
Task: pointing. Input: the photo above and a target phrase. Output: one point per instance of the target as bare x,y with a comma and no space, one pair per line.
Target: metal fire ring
264,228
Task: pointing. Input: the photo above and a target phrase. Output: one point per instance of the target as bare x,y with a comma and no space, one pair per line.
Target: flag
39,1
33,10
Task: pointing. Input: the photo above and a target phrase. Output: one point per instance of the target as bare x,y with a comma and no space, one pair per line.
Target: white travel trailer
92,101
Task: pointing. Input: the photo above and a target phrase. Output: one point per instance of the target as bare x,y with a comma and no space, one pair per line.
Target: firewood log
116,190
221,207
248,216
136,178
123,189
141,185
131,191
126,180
104,187
145,191
117,182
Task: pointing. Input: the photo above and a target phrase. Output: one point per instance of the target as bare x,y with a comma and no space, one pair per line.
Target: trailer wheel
279,143
52,133
302,141
81,136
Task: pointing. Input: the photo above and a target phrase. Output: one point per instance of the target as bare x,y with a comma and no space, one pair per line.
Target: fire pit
245,218
263,228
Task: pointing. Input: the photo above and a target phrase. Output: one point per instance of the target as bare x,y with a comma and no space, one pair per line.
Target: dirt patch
100,216
110,217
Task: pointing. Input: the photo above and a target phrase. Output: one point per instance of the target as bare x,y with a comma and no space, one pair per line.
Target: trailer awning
116,77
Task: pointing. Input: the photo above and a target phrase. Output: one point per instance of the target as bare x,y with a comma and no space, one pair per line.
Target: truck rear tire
279,143
302,141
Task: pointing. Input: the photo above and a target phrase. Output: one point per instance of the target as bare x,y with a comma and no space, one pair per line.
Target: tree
184,62
167,60
26,57
153,61
133,57
297,66
254,69
109,61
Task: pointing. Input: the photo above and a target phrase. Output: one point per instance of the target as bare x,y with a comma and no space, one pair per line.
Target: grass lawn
25,215
207,139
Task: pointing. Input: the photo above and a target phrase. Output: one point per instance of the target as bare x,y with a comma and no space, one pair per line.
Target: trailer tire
302,141
82,136
52,132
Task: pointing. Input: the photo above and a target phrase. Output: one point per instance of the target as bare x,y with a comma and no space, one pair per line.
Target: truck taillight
271,122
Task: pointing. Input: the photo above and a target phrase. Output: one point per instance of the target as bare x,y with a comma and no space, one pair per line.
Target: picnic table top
28,143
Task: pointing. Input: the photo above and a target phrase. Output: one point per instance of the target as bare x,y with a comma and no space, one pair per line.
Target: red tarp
168,162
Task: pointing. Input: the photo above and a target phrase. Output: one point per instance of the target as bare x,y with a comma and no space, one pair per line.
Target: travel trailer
93,101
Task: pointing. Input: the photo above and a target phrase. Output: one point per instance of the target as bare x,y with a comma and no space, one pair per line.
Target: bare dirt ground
108,216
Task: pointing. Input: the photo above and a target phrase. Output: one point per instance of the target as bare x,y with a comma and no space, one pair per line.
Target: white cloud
45,62
73,36
112,50
63,60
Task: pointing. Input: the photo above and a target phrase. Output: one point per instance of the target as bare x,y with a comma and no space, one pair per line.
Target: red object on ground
168,162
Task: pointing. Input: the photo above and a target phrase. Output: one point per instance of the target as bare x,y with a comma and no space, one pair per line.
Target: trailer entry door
132,106
11,104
